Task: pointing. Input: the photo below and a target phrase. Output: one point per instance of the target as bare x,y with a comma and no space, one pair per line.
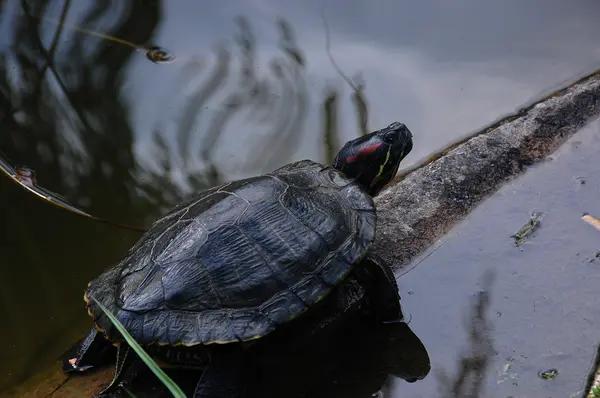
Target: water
124,138
544,296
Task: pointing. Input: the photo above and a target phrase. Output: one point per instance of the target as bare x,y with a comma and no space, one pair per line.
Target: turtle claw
87,353
124,359
400,319
75,367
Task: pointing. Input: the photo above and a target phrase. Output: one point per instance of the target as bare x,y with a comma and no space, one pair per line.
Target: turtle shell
239,259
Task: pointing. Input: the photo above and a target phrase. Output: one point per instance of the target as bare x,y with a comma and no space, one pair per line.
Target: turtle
239,260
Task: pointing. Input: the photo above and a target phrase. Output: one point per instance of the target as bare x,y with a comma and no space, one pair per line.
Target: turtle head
373,159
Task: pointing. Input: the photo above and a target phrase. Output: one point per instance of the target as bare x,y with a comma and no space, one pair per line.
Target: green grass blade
132,395
166,380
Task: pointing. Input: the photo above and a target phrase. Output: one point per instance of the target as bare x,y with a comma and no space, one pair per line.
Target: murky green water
124,138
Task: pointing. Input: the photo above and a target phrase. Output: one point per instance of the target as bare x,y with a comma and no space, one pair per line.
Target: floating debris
507,373
154,53
26,178
594,222
593,258
548,374
530,227
159,55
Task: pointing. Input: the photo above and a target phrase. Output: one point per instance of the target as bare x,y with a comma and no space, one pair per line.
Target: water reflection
474,366
374,359
359,363
277,102
66,114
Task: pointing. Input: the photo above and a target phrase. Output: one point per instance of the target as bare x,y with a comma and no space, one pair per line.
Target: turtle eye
390,137
393,133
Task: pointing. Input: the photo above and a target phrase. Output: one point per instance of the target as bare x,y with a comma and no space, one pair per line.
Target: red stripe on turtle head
365,150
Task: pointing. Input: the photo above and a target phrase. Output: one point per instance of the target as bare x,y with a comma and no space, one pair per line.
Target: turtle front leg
127,367
93,350
224,375
382,290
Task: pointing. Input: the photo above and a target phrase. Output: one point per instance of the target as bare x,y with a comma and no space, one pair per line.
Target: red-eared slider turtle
240,259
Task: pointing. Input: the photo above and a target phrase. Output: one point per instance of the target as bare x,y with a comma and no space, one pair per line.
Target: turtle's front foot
92,351
399,318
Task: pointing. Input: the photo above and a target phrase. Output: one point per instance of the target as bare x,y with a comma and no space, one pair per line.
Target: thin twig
54,43
358,97
328,51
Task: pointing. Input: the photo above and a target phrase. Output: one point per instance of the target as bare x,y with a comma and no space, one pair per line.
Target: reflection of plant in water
280,103
67,119
277,102
330,104
78,123
330,124
472,368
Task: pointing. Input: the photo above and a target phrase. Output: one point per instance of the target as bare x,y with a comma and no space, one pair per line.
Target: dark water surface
125,138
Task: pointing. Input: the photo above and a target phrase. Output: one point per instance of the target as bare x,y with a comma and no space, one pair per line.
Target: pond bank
427,203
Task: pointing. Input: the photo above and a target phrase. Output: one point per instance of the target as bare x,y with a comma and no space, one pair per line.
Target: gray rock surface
422,207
